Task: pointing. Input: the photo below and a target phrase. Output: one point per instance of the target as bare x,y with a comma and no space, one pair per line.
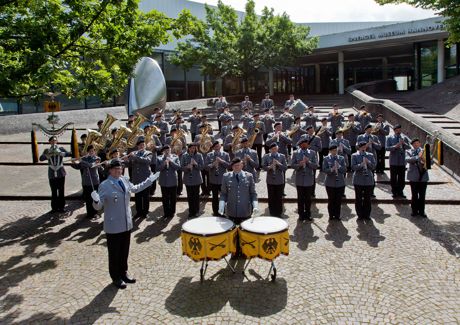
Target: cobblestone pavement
397,269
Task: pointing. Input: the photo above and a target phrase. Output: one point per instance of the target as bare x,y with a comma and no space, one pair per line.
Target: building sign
398,32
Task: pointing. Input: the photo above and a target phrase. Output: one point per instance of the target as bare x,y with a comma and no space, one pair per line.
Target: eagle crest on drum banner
195,245
269,246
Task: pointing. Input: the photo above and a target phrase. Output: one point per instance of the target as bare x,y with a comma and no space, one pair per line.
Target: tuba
236,143
119,140
293,130
105,129
348,126
136,131
93,137
148,135
205,140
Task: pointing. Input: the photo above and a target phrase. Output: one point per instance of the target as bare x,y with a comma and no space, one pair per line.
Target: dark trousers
313,188
153,187
397,180
289,147
142,201
322,153
418,190
87,189
57,193
275,199
193,137
334,200
180,183
363,201
193,198
205,185
168,199
353,150
265,136
215,190
118,247
258,148
304,201
380,168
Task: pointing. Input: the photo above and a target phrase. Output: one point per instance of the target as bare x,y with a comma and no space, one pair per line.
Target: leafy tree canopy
77,47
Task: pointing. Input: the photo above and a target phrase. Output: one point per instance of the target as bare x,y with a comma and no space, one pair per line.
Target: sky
334,10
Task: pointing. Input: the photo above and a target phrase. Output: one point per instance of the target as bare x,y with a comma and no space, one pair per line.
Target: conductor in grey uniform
114,194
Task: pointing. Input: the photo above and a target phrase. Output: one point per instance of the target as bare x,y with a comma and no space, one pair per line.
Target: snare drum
208,238
265,237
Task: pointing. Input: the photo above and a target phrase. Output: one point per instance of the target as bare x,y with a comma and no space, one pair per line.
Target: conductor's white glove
221,207
255,208
95,196
153,177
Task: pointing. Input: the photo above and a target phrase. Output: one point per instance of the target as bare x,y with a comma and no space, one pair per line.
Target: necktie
122,185
237,178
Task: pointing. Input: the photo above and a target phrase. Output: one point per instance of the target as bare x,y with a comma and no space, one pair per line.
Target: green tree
77,47
447,8
223,45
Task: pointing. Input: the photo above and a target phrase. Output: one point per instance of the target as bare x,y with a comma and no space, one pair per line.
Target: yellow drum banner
211,247
264,246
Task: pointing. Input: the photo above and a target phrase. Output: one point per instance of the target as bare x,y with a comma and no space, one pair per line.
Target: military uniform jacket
415,172
267,103
245,120
192,177
288,103
246,104
310,119
361,175
55,162
216,174
158,146
333,179
364,120
168,175
238,195
225,131
210,131
253,162
184,143
194,121
115,201
346,151
283,143
336,121
198,141
376,145
274,177
140,163
164,129
304,176
226,117
397,155
287,119
89,175
315,144
383,132
261,126
268,120
296,136
325,137
352,134
219,105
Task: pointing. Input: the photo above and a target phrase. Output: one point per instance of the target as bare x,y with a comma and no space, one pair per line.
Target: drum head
264,225
207,226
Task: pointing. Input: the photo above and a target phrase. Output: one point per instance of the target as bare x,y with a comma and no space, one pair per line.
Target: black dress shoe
414,214
127,279
423,215
120,284
403,196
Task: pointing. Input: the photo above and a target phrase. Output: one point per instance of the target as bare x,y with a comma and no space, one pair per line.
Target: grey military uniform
89,175
304,176
246,104
397,155
376,145
164,129
238,194
315,144
289,102
383,132
267,103
415,172
268,120
346,148
168,175
216,174
352,134
253,162
192,177
310,119
283,143
225,131
336,121
226,117
219,105
184,143
276,176
325,137
261,126
245,120
297,135
334,179
194,121
140,163
210,130
288,120
364,120
361,175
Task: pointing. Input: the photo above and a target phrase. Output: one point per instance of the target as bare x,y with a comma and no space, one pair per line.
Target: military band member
154,146
56,173
343,146
287,120
267,102
81,145
204,122
114,196
397,144
246,104
335,168
246,118
238,197
275,164
280,138
163,126
140,161
381,130
298,133
217,163
310,117
89,177
289,102
418,177
315,145
179,153
269,120
336,119
228,142
351,131
364,117
259,140
226,115
304,162
205,187
373,144
99,125
219,106
325,133
192,163
362,164
248,157
226,127
168,164
194,120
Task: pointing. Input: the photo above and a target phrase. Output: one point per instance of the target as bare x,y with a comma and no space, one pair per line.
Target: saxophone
253,136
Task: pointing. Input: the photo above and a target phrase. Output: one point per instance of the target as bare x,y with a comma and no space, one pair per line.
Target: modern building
414,53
